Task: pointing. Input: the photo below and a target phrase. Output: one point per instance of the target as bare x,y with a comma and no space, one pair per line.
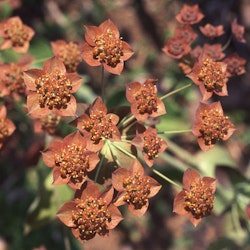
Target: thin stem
123,150
126,120
227,43
175,91
99,166
166,178
174,132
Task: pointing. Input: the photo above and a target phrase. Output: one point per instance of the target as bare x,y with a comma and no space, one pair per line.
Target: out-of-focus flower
47,124
189,14
51,89
214,51
7,127
235,65
134,188
211,125
150,144
69,53
98,125
11,76
91,213
70,160
144,100
176,48
211,31
197,197
186,33
15,35
104,46
210,76
238,31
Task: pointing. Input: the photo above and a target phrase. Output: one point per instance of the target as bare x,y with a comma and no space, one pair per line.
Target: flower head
211,31
90,213
69,53
134,188
210,76
197,197
238,31
15,35
189,14
235,65
214,51
47,124
50,89
144,100
186,33
176,48
150,144
11,75
70,160
7,127
211,125
98,125
105,47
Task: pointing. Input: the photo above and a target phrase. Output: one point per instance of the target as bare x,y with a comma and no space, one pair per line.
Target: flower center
137,190
50,123
73,162
91,217
214,126
108,49
70,55
54,90
146,98
16,32
99,126
189,15
152,145
176,47
199,200
211,75
3,130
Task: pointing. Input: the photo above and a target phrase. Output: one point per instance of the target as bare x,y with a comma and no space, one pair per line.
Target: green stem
182,154
227,43
99,166
166,178
174,132
126,120
175,91
123,150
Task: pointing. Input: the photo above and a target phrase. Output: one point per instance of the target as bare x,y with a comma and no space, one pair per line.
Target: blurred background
28,201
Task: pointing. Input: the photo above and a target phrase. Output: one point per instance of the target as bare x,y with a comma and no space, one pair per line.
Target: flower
47,124
235,65
238,31
214,51
176,48
211,31
70,160
185,33
197,197
11,75
211,125
50,89
15,35
210,76
134,188
90,213
98,125
150,144
7,127
189,14
69,53
144,100
104,46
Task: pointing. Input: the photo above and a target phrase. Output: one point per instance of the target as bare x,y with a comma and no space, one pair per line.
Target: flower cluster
122,140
